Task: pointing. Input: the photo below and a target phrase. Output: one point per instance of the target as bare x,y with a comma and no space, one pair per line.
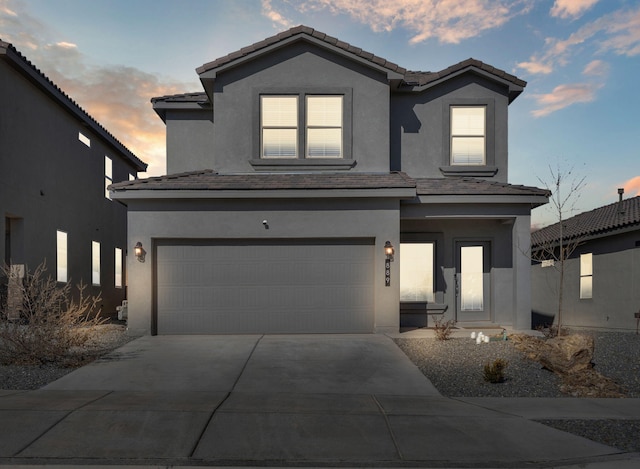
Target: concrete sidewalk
285,400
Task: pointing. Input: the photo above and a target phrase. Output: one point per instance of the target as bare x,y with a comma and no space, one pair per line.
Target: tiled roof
411,78
607,219
423,78
10,53
212,181
472,186
293,32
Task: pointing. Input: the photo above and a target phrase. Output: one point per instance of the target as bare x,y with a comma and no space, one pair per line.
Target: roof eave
209,74
531,200
514,89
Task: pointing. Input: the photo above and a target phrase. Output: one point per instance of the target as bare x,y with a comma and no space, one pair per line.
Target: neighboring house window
61,256
586,276
118,268
84,139
108,176
282,134
417,263
279,126
131,177
95,263
468,124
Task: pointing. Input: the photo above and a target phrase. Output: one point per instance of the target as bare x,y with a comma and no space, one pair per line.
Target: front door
473,280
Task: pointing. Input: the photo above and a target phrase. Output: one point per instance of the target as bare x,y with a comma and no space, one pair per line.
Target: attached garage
264,286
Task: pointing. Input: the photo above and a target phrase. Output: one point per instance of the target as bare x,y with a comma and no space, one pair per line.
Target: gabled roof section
301,32
418,81
19,62
209,180
601,221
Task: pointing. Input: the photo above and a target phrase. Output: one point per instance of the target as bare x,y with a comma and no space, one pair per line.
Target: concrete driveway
272,400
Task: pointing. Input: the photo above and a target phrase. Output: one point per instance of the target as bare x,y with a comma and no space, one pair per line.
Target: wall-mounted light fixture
388,252
139,252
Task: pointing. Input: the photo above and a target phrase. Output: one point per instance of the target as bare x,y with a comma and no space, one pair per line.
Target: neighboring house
602,274
295,166
55,164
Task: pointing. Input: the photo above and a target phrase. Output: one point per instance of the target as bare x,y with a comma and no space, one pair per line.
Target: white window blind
279,124
586,276
468,135
471,278
416,272
61,256
108,176
324,126
95,262
118,268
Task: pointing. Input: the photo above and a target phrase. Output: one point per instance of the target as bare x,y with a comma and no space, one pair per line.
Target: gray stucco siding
302,68
420,126
337,219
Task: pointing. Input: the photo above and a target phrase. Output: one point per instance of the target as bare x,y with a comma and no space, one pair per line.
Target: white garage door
272,286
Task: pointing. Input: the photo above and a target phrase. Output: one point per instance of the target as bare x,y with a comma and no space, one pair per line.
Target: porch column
522,272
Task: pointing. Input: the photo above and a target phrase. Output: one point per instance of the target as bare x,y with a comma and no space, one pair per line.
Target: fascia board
483,199
212,74
396,193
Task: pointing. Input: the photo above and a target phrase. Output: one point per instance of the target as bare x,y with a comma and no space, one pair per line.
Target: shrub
48,321
443,328
494,372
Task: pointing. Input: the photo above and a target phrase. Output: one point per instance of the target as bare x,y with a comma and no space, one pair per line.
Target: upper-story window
291,122
108,176
468,135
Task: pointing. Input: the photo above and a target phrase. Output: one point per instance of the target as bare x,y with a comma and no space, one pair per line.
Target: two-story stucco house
299,161
56,163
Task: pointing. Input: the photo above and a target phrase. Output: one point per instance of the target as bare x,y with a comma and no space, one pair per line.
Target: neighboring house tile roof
473,186
603,220
210,180
197,97
292,32
11,55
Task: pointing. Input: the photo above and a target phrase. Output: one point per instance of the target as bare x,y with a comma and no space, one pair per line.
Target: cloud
448,21
632,187
617,32
563,96
571,8
278,19
115,96
596,68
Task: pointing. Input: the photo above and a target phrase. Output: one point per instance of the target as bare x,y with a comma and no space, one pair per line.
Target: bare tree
553,243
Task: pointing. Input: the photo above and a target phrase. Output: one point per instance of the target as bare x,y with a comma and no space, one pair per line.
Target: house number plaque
387,273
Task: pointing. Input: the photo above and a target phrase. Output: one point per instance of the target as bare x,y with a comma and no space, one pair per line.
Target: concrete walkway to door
272,400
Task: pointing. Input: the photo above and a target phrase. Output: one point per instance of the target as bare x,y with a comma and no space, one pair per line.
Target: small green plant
443,328
494,372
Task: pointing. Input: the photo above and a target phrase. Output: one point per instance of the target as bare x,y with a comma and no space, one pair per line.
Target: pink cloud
632,187
563,96
448,21
571,8
596,68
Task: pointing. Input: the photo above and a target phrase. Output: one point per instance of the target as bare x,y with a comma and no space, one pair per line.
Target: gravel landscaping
455,367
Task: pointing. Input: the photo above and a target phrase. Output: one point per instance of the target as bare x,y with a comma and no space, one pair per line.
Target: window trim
301,160
489,168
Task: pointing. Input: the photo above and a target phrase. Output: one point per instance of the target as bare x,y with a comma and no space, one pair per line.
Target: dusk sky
581,59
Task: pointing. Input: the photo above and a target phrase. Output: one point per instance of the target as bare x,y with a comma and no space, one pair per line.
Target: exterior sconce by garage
388,252
139,252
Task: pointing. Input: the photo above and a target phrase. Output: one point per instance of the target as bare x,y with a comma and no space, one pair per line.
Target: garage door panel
273,287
